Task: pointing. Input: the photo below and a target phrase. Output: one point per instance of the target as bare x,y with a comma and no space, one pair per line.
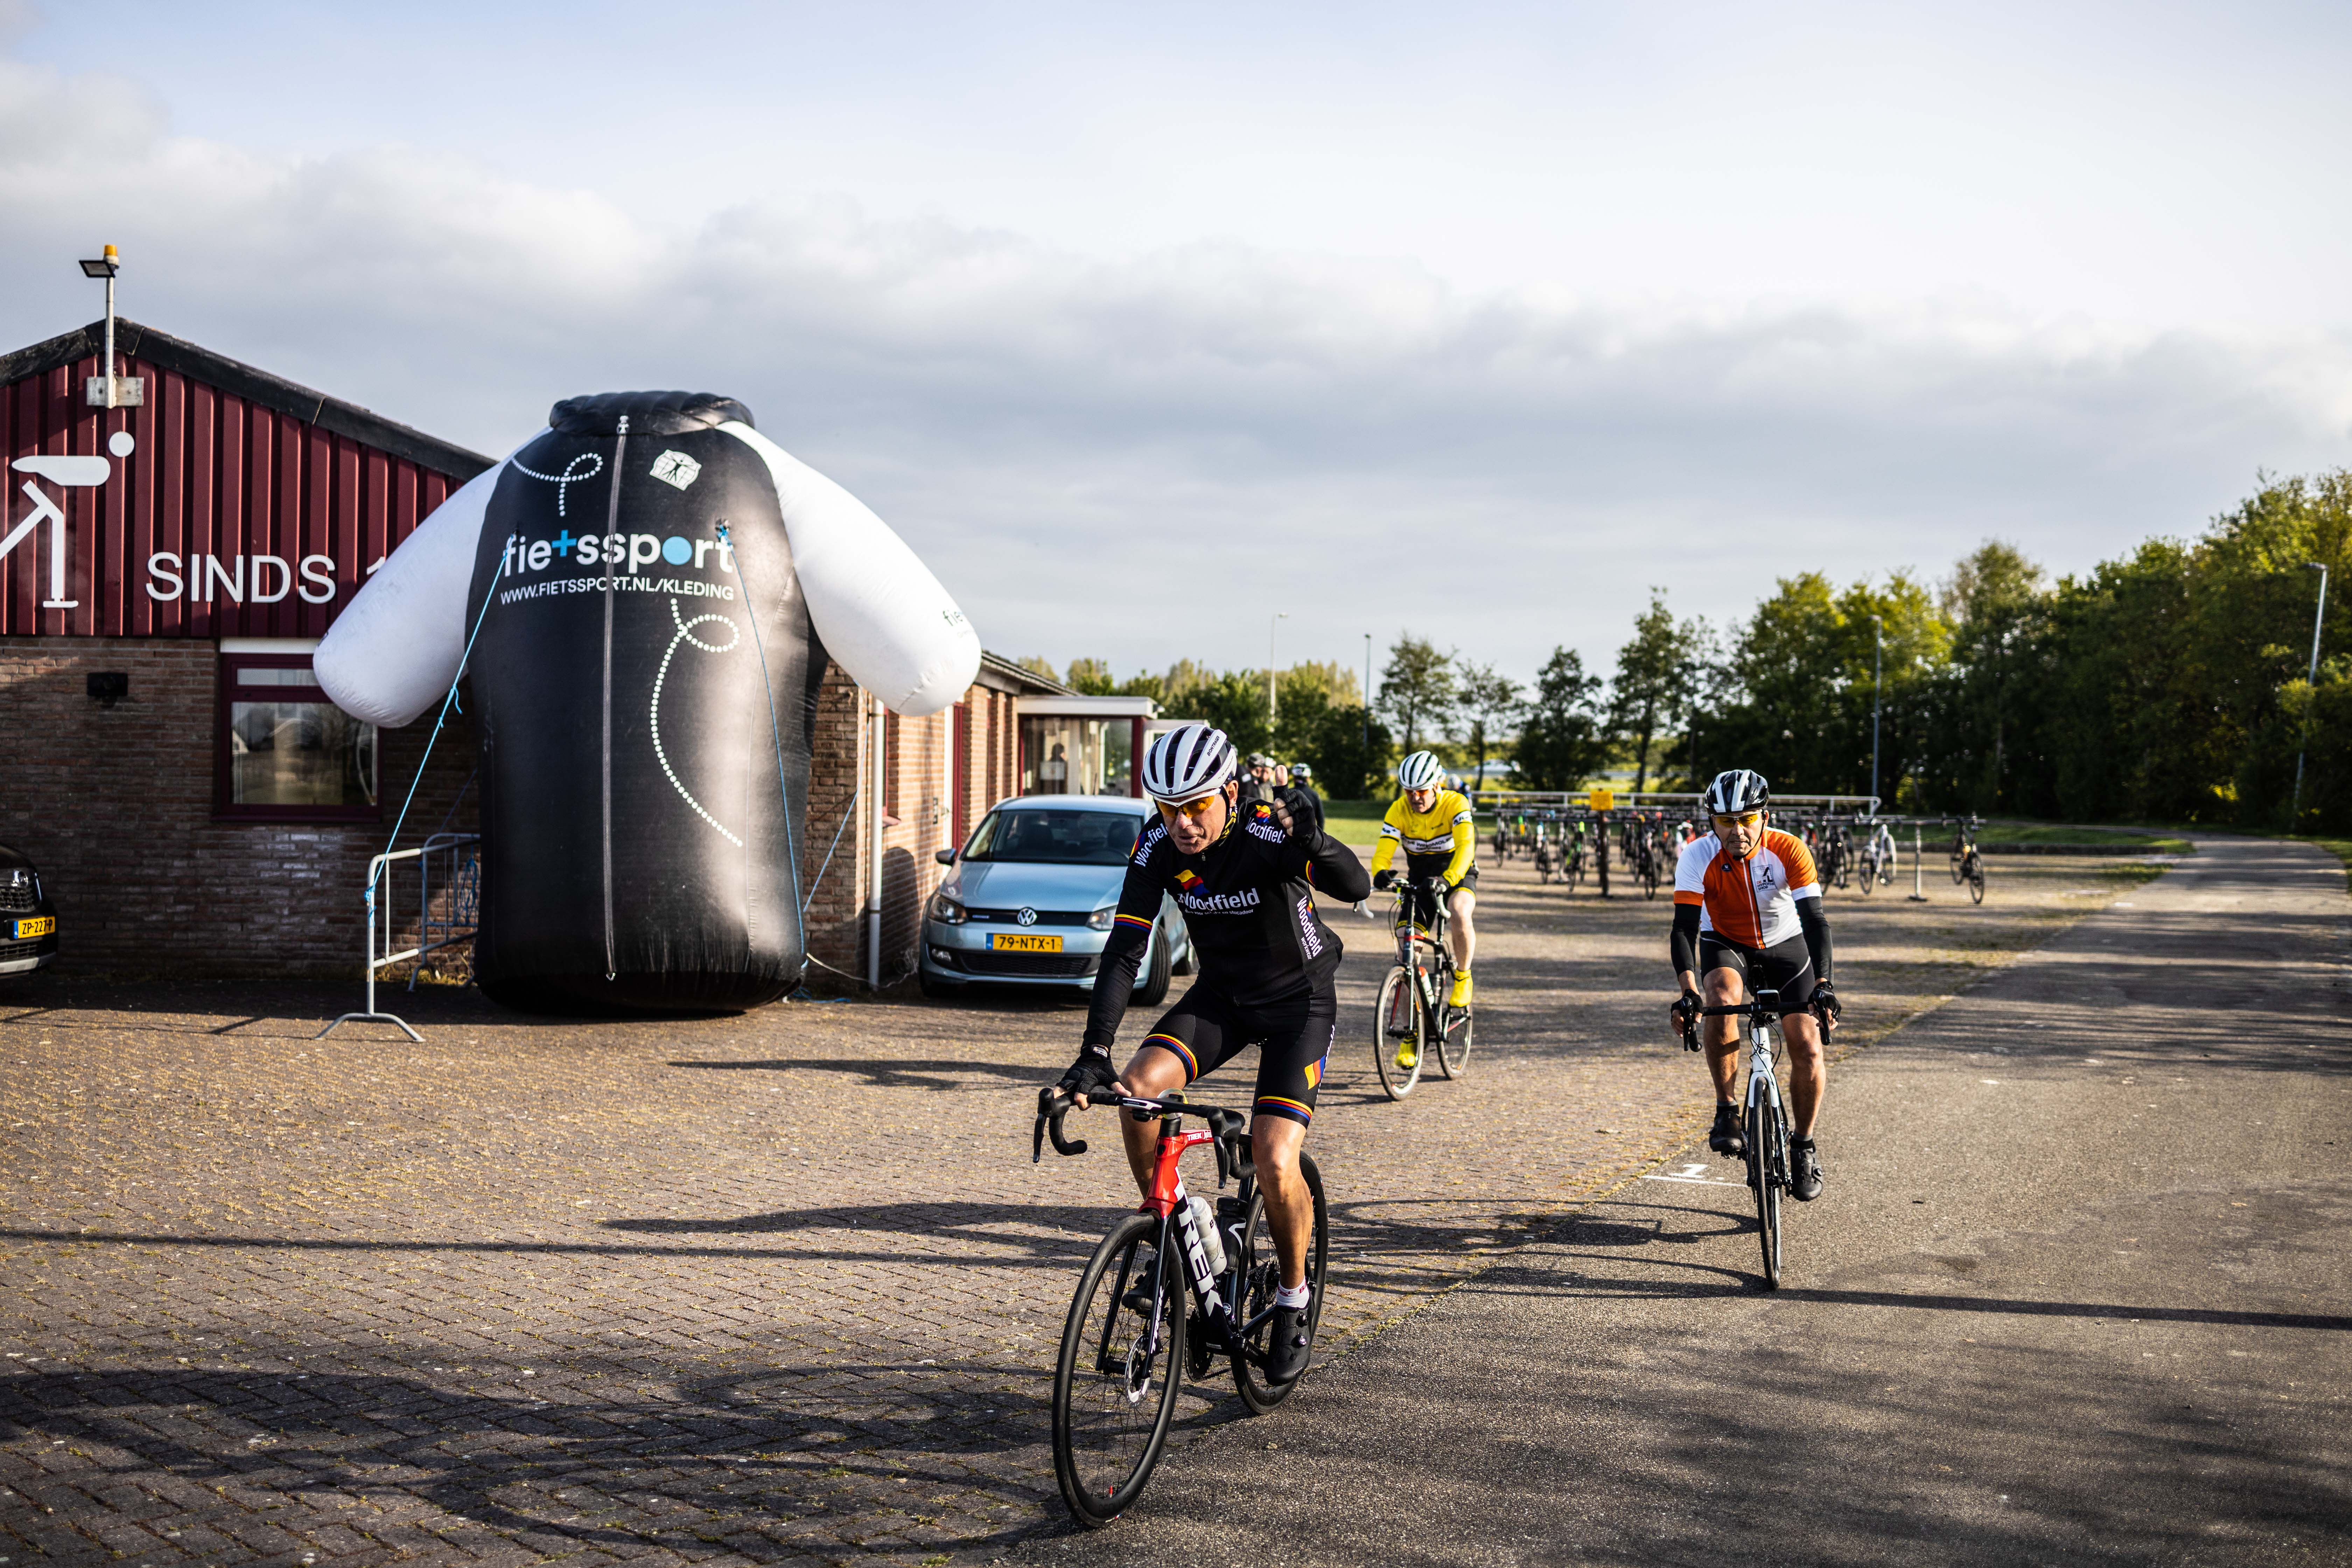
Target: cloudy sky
1476,321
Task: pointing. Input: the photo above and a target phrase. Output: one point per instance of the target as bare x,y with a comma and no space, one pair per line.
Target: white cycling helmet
1420,771
1736,791
1187,763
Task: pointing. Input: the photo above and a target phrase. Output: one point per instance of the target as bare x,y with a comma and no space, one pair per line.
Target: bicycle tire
1959,869
1869,877
1397,1082
1768,1163
1103,1452
1454,1046
1975,880
1262,1276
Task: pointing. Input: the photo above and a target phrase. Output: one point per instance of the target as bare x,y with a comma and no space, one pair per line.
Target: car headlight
1100,919
946,910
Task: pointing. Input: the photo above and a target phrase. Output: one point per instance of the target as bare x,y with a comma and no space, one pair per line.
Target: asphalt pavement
2077,1291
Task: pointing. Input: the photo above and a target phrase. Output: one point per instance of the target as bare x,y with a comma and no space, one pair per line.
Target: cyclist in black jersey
1246,879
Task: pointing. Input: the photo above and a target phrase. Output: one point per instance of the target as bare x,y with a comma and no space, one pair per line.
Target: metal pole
1279,616
1918,889
1367,699
2318,619
109,390
1877,696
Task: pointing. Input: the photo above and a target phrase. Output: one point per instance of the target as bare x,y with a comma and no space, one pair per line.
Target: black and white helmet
1738,791
1187,763
1300,771
1420,771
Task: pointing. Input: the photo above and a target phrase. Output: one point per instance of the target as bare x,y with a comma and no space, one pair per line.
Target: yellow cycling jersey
1443,830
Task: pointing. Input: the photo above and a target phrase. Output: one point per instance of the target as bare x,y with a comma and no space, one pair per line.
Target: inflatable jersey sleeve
393,653
876,606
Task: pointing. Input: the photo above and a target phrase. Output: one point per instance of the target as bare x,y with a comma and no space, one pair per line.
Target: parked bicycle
1765,1122
1131,1341
1968,861
1412,1007
1876,859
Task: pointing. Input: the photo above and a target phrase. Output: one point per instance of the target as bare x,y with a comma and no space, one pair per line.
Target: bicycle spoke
1116,1385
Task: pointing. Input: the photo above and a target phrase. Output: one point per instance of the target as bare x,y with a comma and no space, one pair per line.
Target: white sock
1286,1297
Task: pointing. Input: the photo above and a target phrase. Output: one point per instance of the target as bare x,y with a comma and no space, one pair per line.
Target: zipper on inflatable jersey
611,526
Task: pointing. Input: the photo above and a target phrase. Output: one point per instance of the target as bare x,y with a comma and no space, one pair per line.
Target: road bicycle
1836,857
1550,858
1413,1003
1877,860
1968,861
1136,1333
1571,871
1764,1121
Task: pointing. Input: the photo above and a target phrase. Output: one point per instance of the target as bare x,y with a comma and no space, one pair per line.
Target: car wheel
1155,982
937,990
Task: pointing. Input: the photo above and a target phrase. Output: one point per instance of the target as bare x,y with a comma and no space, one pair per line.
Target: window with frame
285,753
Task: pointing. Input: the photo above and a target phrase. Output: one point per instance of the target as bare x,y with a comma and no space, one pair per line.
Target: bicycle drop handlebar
1755,1006
1228,1127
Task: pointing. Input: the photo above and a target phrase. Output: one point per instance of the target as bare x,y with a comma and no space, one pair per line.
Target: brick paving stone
705,1290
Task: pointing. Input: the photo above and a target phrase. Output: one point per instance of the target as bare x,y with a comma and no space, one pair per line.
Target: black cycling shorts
1422,868
1786,967
1206,1030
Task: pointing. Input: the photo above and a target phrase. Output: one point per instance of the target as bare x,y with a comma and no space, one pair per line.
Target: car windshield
1054,837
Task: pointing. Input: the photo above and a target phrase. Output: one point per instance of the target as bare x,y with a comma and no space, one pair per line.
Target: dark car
28,921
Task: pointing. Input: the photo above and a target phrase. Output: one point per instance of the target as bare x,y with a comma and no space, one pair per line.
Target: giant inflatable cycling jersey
658,588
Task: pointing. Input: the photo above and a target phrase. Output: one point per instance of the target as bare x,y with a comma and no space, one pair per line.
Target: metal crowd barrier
461,885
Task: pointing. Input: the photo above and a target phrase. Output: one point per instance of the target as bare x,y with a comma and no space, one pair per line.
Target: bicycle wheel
1767,1165
1396,1018
1453,1044
1116,1383
1959,868
1261,1276
1976,878
1869,877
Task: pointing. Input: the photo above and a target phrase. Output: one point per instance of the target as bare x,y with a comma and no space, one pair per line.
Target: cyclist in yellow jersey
1432,824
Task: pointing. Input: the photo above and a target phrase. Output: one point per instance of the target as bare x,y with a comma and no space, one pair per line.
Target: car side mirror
944,856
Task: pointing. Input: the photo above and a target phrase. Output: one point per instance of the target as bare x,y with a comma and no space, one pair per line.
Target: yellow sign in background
1602,800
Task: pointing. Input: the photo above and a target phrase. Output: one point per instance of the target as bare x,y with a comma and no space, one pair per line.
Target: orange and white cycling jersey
1752,901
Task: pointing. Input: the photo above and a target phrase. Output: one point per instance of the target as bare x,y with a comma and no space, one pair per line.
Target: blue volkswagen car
1030,899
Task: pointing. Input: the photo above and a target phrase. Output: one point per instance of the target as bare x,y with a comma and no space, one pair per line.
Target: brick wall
921,808
115,807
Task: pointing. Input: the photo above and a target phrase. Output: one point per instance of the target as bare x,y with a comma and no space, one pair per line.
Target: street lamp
1877,694
1367,699
2318,619
111,391
1279,616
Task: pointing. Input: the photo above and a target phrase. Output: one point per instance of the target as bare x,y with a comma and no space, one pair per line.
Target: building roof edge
272,392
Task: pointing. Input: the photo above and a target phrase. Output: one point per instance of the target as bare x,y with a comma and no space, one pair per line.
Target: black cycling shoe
1724,1137
1288,1343
1804,1170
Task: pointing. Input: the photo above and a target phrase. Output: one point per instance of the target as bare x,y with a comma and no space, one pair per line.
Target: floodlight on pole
2318,619
111,390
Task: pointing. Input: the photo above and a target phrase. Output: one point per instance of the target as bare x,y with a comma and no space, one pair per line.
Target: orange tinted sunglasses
1745,819
1195,809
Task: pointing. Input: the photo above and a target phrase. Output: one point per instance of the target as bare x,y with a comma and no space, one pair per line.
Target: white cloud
1145,455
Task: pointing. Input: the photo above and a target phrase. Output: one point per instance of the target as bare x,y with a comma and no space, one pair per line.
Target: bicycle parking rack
461,884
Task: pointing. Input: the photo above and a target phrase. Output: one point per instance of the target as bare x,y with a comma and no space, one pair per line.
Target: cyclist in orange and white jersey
1748,911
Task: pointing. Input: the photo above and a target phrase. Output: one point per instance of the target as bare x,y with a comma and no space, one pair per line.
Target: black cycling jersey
1248,903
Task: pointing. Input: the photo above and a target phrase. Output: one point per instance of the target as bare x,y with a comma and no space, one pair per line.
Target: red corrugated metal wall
270,524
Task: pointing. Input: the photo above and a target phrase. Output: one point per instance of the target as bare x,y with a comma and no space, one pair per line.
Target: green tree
1657,676
1036,663
1562,742
1091,677
1417,688
1490,704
